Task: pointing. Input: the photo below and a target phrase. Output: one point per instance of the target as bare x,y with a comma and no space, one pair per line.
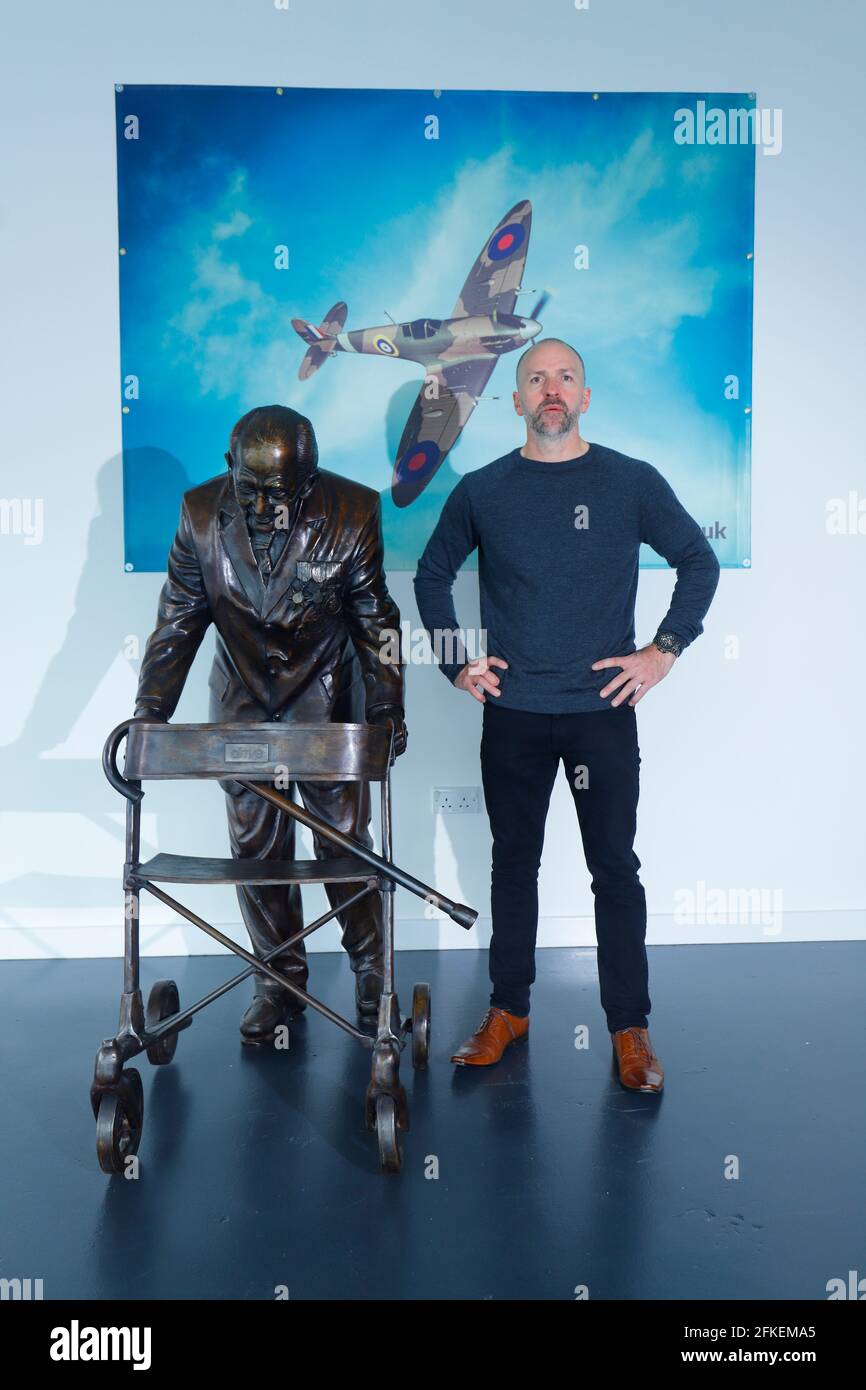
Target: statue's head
272,456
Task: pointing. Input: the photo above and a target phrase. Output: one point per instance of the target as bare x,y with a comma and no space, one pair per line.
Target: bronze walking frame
253,755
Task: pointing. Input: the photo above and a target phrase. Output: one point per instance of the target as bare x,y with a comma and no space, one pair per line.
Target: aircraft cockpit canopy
421,328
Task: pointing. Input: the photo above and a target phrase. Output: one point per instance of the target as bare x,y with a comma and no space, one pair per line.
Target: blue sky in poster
374,213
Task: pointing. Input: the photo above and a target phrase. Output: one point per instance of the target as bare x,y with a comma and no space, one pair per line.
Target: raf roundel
385,345
506,241
417,461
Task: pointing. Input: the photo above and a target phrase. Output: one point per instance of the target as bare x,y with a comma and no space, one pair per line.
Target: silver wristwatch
668,642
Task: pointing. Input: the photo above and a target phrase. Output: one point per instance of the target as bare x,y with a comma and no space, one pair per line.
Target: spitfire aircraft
458,354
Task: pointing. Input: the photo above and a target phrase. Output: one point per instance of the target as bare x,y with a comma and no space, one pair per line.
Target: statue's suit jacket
304,646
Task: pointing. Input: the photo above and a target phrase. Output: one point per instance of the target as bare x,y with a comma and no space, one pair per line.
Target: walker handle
131,790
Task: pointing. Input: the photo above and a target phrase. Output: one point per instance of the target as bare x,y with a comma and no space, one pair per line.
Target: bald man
558,524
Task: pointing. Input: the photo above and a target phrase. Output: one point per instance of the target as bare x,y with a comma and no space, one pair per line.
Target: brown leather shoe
496,1031
639,1067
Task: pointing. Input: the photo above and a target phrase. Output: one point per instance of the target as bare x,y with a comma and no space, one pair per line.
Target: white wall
752,769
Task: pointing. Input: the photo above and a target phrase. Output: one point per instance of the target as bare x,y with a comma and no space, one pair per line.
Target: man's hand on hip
641,670
477,677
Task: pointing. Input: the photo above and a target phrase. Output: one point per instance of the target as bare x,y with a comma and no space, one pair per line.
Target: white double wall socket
456,799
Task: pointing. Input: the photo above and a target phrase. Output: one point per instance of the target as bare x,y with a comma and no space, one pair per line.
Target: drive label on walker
246,753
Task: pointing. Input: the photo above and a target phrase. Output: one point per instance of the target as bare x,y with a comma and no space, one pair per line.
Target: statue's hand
392,714
150,716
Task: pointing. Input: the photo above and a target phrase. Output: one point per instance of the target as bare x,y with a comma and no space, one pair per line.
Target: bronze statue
286,560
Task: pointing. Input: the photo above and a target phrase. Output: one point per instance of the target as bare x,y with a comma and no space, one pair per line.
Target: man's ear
517,405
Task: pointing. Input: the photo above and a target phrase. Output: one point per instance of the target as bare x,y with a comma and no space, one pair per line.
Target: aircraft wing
498,271
435,423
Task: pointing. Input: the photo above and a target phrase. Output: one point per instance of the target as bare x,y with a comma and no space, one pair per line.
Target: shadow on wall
109,606
444,725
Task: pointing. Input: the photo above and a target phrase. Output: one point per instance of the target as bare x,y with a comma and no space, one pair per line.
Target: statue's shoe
265,1015
368,987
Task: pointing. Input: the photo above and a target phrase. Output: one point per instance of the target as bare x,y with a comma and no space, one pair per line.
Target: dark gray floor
256,1170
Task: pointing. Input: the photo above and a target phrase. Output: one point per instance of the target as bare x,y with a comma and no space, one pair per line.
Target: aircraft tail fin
322,341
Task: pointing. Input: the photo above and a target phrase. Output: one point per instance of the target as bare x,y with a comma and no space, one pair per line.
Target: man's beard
555,425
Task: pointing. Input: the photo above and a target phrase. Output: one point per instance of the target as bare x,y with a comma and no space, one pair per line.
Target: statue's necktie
263,556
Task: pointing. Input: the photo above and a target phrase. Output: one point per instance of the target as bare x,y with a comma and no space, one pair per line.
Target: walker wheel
119,1122
162,1002
386,1130
420,1026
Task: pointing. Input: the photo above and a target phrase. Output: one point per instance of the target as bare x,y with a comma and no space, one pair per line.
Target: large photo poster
379,259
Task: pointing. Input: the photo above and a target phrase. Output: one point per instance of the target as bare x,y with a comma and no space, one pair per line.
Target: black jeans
520,756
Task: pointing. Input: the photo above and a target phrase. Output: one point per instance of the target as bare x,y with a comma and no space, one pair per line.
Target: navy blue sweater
558,547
